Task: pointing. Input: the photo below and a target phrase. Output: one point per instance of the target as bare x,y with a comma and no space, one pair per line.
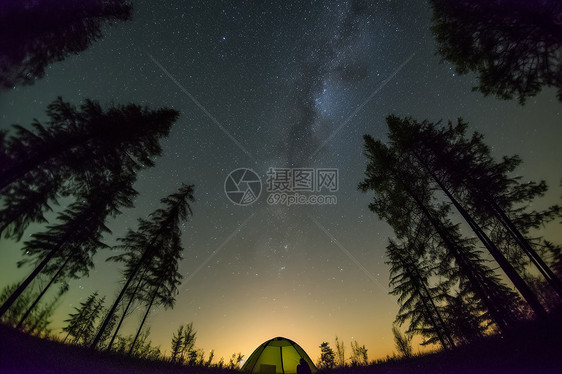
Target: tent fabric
277,356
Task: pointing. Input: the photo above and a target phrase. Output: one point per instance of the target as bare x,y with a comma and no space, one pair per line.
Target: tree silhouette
189,352
209,360
163,281
19,307
156,282
36,322
235,360
358,354
403,342
66,249
81,325
131,296
514,47
155,238
327,356
177,344
403,196
465,171
340,353
91,153
38,33
26,202
183,343
76,147
104,338
409,143
143,349
40,321
410,271
463,315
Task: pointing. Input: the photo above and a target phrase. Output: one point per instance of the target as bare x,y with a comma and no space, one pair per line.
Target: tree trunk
465,268
66,337
511,273
131,299
445,331
8,303
144,319
424,302
109,315
545,270
53,279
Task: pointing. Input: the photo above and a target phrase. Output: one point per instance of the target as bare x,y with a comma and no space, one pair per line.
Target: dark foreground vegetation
528,349
23,353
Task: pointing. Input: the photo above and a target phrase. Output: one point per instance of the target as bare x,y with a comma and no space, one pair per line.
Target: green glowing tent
277,356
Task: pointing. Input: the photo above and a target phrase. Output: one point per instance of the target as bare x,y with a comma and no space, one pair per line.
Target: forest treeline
466,260
80,166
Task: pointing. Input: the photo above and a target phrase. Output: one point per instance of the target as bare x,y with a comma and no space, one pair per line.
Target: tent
277,356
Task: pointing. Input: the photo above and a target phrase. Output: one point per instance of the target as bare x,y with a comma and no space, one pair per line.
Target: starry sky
277,84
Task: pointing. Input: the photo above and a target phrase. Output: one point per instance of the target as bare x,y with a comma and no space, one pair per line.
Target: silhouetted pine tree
19,307
131,296
80,325
163,281
358,354
27,202
402,342
156,283
66,249
183,343
500,301
409,278
327,356
402,196
464,317
513,47
235,360
209,360
38,33
154,239
177,344
479,188
104,339
39,320
75,148
143,348
340,353
38,323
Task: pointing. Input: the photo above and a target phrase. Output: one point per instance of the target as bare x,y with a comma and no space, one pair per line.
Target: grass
22,353
531,347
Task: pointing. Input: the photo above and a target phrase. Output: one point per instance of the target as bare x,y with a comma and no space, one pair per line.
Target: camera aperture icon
242,186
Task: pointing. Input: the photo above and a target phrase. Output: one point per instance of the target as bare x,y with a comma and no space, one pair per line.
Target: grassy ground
21,353
529,349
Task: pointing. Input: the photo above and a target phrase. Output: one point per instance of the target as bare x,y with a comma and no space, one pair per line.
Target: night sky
287,84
